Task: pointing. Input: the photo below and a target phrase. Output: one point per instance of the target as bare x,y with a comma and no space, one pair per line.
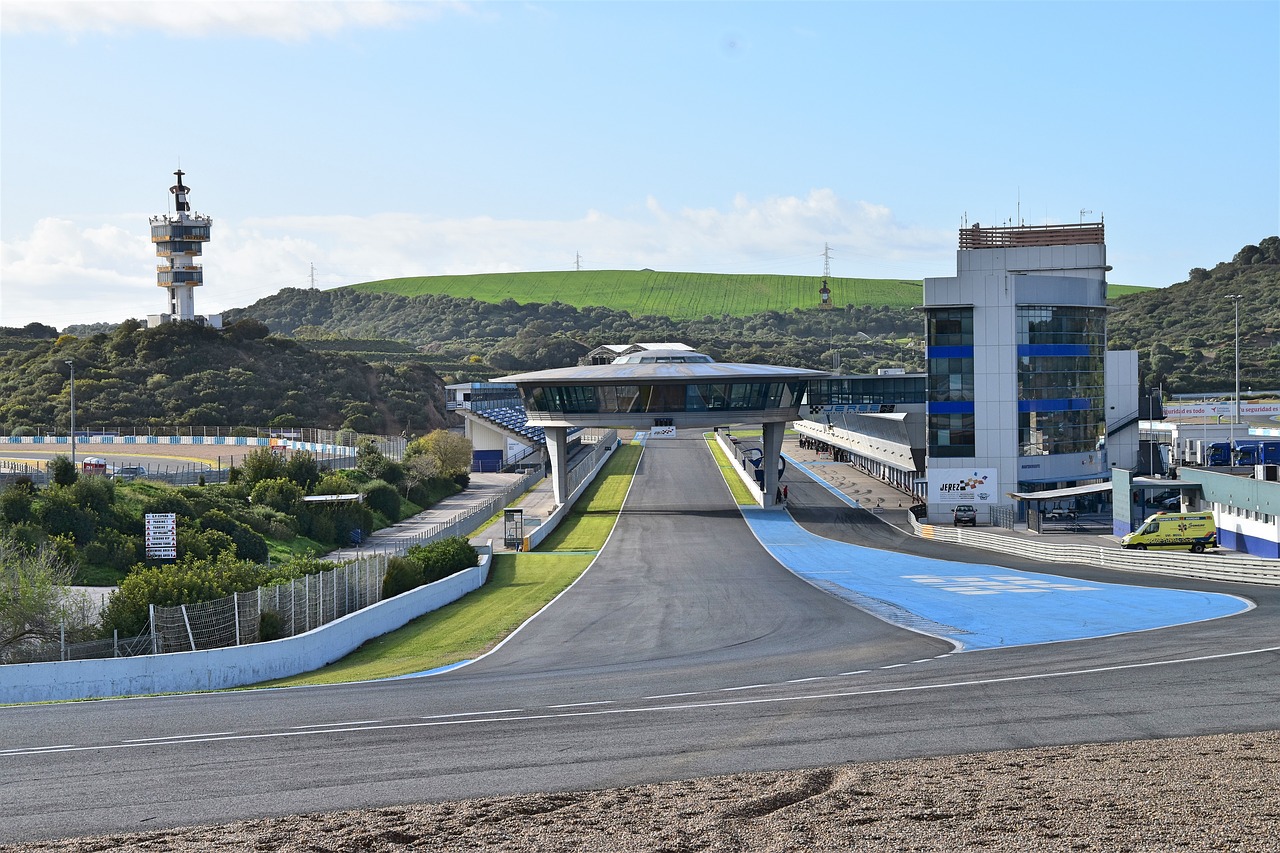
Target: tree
63,470
35,603
451,451
261,464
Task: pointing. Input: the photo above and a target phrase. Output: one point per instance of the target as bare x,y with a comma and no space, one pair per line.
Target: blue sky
378,140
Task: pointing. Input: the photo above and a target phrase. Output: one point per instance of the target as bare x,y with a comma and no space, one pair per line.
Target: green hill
678,295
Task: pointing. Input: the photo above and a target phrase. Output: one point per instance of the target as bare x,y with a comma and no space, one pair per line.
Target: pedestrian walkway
482,489
538,503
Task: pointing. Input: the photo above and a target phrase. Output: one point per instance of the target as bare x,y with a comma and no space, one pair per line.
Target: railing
393,544
977,237
603,441
1221,567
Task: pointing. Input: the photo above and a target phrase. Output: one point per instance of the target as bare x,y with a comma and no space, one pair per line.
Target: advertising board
964,486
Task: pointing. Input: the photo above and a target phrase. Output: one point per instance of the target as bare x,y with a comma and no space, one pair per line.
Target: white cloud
282,20
67,273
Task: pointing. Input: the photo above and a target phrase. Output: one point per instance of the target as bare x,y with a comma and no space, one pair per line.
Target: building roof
670,372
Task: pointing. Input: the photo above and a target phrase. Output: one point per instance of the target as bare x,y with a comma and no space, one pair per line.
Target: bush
279,493
443,557
260,465
381,497
63,470
270,626
403,574
188,581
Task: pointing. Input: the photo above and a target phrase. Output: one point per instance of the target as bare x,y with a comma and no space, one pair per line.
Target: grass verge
741,494
519,586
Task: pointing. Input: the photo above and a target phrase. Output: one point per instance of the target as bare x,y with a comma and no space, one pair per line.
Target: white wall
217,669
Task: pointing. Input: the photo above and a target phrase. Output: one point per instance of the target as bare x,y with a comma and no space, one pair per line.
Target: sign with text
161,536
662,432
963,485
1213,408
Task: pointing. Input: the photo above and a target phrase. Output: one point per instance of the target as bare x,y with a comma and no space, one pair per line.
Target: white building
1017,367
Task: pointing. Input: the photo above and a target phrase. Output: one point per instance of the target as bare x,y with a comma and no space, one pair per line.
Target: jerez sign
963,486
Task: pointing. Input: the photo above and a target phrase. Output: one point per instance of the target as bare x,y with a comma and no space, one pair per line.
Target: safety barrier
235,666
1219,567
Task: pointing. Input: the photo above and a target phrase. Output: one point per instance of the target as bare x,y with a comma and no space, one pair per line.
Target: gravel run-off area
1219,792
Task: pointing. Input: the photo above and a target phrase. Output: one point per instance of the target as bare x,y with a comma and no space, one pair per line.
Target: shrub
279,493
443,557
261,464
63,470
16,504
403,574
94,493
381,497
188,581
270,626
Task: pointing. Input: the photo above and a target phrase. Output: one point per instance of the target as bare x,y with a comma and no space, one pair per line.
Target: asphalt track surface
685,650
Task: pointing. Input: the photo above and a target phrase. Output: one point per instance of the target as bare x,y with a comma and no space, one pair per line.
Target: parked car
130,472
964,514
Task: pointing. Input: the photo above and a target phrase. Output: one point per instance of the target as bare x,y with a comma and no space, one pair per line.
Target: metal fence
296,607
604,441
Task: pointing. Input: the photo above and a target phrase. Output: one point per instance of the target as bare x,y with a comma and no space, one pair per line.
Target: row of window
861,390
673,398
179,232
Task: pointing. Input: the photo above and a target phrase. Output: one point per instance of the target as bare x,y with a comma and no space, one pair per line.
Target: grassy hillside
678,295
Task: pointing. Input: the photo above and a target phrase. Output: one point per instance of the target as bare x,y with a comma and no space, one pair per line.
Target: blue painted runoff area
978,606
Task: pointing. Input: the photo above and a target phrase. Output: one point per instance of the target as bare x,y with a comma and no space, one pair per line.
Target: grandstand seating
514,419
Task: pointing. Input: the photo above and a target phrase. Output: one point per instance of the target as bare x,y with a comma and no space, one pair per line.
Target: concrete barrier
235,666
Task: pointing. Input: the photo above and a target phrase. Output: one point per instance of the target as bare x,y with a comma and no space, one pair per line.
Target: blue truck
1222,453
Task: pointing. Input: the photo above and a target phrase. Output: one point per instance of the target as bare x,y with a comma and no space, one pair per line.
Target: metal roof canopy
1095,488
1053,494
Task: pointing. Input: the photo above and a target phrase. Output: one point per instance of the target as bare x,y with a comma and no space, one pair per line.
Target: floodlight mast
1235,416
72,365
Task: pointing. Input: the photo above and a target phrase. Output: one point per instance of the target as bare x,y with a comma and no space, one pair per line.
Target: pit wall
235,666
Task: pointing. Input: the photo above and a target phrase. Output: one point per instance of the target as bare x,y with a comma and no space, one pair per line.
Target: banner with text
963,486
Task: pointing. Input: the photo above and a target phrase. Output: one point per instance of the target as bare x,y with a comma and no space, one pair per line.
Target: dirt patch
1220,792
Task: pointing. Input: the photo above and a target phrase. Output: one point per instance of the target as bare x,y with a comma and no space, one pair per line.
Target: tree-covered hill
471,339
1185,333
186,374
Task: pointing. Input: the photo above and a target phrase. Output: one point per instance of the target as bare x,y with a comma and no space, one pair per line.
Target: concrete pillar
557,443
771,444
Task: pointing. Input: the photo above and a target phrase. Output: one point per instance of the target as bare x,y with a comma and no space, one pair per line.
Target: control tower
179,238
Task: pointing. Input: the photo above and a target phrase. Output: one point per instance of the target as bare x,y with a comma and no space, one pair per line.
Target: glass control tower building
1016,353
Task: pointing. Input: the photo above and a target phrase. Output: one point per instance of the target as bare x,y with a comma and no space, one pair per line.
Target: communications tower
179,238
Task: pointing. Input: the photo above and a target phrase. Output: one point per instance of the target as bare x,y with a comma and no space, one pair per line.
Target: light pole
1235,417
72,365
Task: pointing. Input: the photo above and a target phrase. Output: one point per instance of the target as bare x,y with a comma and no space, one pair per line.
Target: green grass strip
519,586
741,494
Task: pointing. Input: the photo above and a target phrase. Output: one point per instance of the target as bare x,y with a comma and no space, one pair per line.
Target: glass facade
672,398
867,390
1061,379
949,351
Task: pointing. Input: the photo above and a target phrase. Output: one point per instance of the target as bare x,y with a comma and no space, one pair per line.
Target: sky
355,141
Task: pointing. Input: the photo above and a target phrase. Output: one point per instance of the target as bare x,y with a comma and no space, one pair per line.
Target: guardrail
1219,567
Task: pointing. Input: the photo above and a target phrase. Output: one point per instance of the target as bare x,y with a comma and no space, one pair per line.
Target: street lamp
1235,301
72,365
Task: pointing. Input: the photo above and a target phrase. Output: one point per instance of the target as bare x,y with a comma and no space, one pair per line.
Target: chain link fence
295,607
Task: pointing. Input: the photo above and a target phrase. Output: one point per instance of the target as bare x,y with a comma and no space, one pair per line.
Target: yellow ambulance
1169,530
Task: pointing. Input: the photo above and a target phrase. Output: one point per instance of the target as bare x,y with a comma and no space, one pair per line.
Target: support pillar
557,444
771,444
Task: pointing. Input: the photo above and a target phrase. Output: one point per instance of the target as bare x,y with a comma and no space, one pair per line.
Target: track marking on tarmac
505,717
977,606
